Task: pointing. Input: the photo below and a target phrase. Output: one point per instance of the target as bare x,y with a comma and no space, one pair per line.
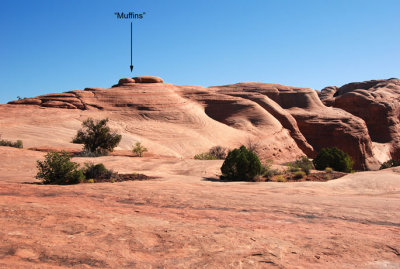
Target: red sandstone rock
286,121
58,104
27,101
326,95
183,219
126,80
377,103
124,85
148,79
314,124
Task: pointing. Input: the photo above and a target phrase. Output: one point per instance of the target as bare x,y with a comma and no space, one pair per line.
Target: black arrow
131,49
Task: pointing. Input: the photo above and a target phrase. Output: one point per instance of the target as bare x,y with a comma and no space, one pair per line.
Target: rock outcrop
144,79
376,102
148,79
59,100
314,124
287,122
125,82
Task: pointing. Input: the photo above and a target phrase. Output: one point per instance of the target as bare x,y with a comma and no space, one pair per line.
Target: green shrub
205,156
292,168
97,171
390,163
335,158
91,180
241,164
267,170
301,164
138,149
57,168
19,144
328,170
304,164
97,137
8,143
299,174
272,172
88,153
218,152
215,153
280,178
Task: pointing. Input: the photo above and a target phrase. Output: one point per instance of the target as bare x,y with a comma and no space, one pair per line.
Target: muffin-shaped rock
125,80
148,79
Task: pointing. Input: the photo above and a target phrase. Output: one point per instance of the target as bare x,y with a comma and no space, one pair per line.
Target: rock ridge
360,118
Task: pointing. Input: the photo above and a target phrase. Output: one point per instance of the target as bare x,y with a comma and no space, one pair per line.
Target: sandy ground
187,219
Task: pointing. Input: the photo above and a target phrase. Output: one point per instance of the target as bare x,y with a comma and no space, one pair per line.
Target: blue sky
55,46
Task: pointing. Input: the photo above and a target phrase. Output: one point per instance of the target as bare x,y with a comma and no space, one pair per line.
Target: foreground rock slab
187,219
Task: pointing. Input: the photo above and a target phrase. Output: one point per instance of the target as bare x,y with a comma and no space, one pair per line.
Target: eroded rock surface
148,79
377,103
287,122
187,219
312,124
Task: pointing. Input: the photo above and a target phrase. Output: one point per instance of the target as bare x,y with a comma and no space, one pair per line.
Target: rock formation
143,79
148,79
314,124
360,118
376,102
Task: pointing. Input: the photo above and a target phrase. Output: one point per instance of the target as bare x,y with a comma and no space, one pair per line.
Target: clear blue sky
55,46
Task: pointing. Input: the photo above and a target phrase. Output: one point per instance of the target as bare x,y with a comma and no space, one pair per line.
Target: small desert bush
139,149
215,153
267,165
390,163
205,156
292,168
267,170
97,171
272,172
259,178
241,164
334,158
97,137
88,153
304,164
253,146
328,170
7,143
299,175
218,152
57,168
280,178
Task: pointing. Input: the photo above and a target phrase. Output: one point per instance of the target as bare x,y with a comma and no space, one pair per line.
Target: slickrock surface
186,219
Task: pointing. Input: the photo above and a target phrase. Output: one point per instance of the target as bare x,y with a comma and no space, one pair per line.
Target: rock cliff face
314,126
287,122
376,102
